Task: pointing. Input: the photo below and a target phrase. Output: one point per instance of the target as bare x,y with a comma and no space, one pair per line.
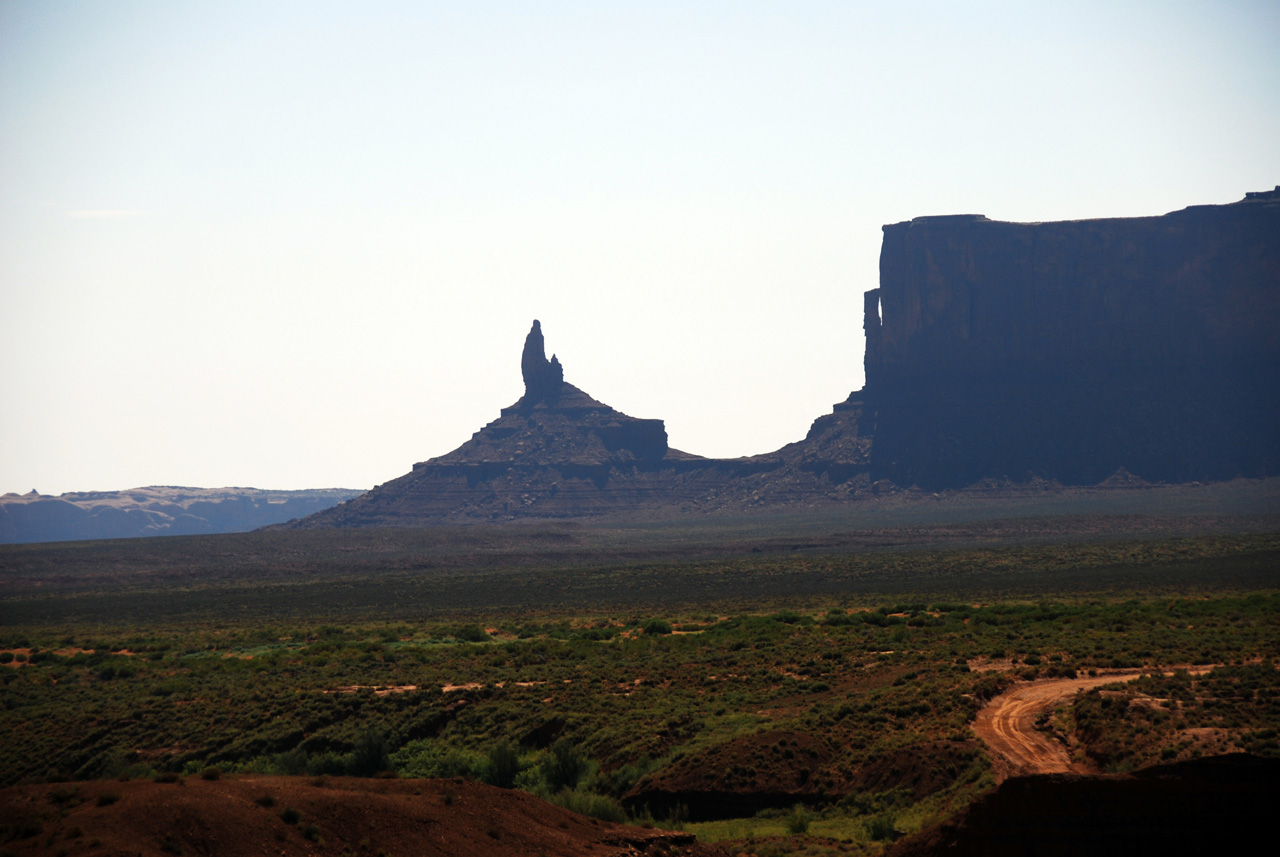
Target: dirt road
1007,725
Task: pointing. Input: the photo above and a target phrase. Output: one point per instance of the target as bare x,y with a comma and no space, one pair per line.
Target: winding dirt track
1007,724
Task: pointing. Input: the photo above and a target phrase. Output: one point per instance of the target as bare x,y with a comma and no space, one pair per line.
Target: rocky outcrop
599,435
556,452
559,453
543,378
154,511
1070,350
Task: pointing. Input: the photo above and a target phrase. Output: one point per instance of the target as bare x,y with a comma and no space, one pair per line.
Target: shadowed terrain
238,816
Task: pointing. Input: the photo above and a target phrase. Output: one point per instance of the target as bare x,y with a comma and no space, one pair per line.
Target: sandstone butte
1022,353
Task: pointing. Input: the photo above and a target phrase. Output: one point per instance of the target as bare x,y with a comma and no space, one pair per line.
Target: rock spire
543,378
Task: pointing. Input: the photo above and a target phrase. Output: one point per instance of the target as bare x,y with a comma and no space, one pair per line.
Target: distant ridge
158,510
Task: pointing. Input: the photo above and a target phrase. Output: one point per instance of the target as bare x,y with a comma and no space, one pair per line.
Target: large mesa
1069,350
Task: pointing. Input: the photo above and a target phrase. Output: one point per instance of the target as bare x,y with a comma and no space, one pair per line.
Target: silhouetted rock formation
1069,350
1096,352
543,378
559,453
556,452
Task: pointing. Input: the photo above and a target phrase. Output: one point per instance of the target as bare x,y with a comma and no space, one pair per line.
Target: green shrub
563,767
426,759
371,755
290,816
622,778
798,821
882,826
327,764
591,805
657,626
502,766
472,634
292,763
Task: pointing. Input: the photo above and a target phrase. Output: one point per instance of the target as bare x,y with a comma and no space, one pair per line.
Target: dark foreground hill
1004,357
296,816
1214,805
158,510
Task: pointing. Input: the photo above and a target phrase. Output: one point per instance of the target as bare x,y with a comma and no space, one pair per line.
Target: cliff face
1069,350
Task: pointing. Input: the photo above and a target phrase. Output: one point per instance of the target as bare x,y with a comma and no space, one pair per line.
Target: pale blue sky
296,245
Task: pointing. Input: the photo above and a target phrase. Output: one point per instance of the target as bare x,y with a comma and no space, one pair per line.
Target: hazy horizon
296,246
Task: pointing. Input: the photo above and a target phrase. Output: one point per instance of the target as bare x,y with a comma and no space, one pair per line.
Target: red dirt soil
1006,724
363,818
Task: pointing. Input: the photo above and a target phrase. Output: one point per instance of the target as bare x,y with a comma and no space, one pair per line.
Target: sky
299,244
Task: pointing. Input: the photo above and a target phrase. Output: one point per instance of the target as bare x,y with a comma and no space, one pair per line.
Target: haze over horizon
299,246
